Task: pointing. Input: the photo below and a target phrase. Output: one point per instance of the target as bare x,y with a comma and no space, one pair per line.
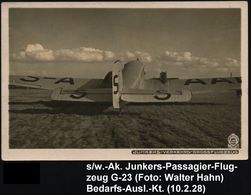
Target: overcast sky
85,42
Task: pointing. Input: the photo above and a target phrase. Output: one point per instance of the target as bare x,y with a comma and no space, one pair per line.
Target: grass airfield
37,122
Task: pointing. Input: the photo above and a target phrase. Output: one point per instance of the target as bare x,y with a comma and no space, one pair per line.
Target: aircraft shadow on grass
84,108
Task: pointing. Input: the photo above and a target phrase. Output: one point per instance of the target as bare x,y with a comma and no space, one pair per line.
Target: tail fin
117,83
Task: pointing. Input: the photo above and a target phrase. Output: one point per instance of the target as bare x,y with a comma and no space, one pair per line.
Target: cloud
109,55
230,62
43,55
187,60
36,52
34,47
186,65
133,55
82,54
172,61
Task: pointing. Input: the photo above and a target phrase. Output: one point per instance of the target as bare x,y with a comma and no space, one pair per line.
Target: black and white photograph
124,81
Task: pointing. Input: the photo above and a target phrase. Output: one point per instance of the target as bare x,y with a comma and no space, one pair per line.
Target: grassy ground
36,122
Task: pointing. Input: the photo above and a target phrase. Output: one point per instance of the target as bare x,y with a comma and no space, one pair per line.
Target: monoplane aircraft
126,83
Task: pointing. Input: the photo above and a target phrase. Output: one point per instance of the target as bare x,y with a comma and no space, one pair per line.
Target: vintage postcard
125,81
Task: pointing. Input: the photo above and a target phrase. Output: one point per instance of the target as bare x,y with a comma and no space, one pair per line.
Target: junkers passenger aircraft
126,83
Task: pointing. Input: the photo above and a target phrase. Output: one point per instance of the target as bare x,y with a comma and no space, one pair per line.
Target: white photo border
122,154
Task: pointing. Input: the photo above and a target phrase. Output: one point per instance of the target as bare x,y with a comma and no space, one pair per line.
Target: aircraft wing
51,83
152,96
21,81
87,95
67,88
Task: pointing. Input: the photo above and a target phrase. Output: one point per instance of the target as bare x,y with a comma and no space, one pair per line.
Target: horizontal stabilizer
91,95
147,96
